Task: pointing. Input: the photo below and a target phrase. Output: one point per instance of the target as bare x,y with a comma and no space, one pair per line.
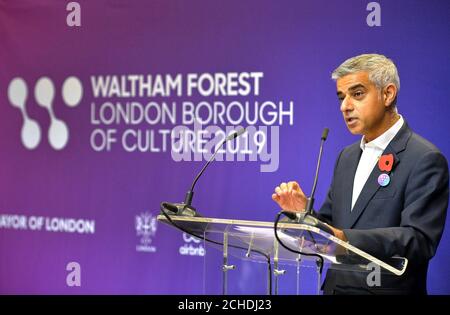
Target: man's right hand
290,197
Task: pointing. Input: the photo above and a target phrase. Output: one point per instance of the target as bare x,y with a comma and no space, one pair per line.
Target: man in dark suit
390,191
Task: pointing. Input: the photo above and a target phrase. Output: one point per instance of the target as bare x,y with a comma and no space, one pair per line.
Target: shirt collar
382,141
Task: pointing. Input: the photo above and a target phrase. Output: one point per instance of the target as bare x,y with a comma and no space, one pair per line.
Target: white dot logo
44,93
31,132
72,91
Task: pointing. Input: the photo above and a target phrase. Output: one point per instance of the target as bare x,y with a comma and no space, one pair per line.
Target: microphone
185,208
310,202
307,217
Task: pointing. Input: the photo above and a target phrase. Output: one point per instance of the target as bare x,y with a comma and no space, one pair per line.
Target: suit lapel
350,168
371,186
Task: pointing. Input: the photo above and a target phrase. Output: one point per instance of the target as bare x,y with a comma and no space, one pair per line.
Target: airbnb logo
44,94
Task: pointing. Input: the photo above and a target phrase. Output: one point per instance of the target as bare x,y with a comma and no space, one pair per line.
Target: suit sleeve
422,219
325,212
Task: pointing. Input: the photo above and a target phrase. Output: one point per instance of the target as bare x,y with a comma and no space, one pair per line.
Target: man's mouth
351,120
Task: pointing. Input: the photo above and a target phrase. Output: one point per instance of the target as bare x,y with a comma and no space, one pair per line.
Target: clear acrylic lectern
255,240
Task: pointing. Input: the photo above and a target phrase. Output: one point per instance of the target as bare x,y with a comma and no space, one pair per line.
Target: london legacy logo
44,94
146,225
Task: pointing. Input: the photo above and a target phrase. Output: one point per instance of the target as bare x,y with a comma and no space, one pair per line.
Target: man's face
362,105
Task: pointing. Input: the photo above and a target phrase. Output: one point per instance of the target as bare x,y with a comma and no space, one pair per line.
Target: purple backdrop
295,44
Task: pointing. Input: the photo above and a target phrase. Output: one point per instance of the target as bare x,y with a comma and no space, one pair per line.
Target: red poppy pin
386,162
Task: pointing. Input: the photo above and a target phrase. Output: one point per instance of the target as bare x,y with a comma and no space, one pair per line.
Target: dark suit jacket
405,218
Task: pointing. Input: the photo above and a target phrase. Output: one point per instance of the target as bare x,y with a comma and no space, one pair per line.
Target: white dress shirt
370,155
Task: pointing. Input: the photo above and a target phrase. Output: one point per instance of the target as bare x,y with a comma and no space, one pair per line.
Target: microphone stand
186,208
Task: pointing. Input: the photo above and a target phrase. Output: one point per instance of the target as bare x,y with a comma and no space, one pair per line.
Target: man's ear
389,94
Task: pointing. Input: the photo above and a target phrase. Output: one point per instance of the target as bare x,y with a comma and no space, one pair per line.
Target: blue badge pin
384,180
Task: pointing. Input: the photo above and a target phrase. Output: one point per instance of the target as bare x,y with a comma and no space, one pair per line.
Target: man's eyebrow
352,88
356,86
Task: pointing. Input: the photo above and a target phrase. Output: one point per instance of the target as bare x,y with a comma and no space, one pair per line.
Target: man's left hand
338,233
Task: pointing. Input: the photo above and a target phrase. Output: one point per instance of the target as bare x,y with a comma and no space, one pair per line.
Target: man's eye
358,94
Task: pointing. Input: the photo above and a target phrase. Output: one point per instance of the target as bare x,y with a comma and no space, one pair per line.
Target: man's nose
346,105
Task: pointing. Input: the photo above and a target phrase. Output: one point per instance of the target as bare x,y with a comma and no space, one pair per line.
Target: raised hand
290,197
